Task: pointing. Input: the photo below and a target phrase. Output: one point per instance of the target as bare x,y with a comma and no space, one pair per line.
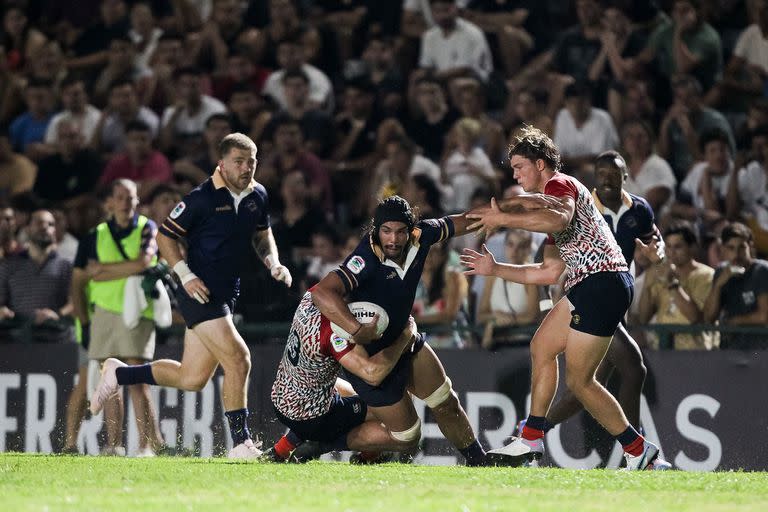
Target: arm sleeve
483,59
426,59
433,231
335,346
561,186
184,217
358,266
647,221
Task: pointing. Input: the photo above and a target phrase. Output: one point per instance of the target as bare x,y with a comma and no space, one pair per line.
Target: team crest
576,319
356,264
178,210
338,343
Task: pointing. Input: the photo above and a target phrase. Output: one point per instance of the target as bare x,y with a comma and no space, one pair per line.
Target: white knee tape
412,434
440,395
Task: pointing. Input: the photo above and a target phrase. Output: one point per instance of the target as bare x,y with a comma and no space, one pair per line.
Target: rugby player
598,286
219,220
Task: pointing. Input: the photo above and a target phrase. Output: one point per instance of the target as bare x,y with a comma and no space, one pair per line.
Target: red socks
284,447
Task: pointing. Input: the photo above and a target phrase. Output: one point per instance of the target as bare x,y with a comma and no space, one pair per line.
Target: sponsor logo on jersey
338,343
178,210
356,264
224,208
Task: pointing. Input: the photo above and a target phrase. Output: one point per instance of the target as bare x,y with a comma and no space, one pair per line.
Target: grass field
38,482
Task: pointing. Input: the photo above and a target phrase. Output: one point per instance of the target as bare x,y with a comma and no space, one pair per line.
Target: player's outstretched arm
554,216
266,248
544,273
374,369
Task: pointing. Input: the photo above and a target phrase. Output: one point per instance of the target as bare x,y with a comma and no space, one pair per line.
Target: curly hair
534,144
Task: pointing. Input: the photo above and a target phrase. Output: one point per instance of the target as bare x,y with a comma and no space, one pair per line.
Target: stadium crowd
353,101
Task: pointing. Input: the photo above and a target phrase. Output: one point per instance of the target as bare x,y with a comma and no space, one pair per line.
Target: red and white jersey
587,245
303,387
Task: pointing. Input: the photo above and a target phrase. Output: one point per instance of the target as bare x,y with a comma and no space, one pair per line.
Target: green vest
109,295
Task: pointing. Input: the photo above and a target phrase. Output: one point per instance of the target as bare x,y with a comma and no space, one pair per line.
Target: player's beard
394,252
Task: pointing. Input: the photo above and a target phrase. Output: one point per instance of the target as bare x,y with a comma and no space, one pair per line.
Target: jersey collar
413,249
218,182
626,201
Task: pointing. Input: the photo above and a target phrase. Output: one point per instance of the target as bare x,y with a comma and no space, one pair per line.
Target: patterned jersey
587,245
303,388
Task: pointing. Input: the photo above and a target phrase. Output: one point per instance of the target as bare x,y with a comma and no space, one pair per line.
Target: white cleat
246,450
143,453
520,452
108,386
648,460
113,451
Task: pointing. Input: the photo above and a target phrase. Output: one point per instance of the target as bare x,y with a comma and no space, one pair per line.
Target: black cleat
305,452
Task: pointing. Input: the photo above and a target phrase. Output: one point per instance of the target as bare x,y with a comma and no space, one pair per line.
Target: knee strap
440,395
407,436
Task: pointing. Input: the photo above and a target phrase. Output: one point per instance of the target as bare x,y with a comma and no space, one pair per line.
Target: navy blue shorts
345,414
600,302
391,390
195,313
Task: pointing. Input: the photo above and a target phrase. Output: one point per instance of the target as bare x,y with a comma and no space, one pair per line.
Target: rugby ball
364,313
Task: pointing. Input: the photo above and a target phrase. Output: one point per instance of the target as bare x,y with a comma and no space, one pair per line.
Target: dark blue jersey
633,220
369,276
218,232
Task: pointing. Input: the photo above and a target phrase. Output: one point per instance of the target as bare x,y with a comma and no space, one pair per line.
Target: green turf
37,482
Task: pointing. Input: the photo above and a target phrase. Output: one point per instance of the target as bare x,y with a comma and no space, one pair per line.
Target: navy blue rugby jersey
633,220
219,235
369,276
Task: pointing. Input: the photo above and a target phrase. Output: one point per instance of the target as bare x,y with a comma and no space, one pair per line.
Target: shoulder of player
201,193
259,190
640,203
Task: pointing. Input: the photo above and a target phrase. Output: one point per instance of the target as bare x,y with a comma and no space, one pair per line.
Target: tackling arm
374,369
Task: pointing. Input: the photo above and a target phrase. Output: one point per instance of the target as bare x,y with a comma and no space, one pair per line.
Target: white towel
134,302
161,306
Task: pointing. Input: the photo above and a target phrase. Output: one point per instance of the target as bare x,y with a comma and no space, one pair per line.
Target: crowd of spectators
352,101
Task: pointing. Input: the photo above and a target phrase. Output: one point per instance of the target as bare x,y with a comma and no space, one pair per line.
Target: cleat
520,452
145,453
108,386
113,451
649,459
270,455
246,450
305,452
382,458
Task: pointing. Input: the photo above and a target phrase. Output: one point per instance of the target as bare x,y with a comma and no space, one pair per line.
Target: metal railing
20,328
